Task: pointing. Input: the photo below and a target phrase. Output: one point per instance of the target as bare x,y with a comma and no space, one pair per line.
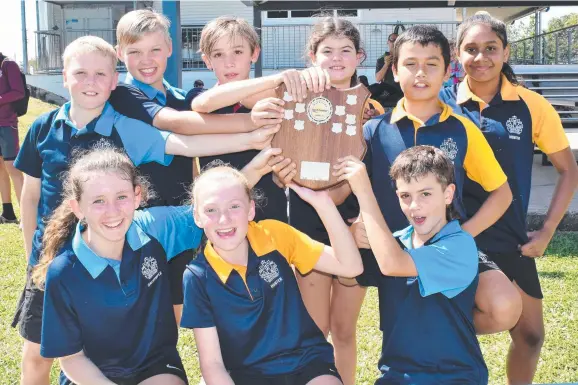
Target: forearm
80,370
216,374
194,123
253,176
231,93
379,75
491,210
563,193
392,260
342,242
207,145
28,215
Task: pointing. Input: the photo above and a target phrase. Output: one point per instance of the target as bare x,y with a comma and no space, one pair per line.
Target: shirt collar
260,241
102,124
404,235
153,93
508,92
399,113
95,265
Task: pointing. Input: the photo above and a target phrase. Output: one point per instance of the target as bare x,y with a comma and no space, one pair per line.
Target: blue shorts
9,142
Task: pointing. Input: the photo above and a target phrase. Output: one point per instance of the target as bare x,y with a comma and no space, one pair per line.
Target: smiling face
420,71
90,78
107,204
424,201
339,57
223,209
482,54
146,59
231,59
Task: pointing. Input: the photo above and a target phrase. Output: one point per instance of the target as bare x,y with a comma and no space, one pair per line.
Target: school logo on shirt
514,127
450,148
149,267
269,272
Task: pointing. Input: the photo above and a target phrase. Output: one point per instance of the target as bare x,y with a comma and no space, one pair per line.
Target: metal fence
556,47
283,46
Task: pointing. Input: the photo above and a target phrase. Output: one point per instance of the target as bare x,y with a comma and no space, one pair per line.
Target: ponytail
508,72
60,226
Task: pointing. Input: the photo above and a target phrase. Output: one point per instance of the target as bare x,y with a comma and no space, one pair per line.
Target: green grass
558,272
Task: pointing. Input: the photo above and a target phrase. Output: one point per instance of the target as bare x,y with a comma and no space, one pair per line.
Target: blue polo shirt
141,101
263,326
48,147
514,120
275,202
120,315
427,321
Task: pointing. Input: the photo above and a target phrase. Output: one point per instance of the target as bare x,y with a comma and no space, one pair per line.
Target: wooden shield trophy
321,129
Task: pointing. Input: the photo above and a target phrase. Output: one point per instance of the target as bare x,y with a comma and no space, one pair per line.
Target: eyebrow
484,42
427,58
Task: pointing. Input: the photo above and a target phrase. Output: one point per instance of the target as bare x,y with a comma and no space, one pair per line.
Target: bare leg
325,380
35,368
315,290
4,183
17,178
527,340
346,304
498,303
178,309
163,379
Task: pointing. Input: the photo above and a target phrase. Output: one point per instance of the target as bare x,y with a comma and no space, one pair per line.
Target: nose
224,218
414,205
420,72
112,208
90,79
229,61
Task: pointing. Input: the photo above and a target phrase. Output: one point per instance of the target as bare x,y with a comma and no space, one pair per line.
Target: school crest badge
515,127
450,148
149,267
324,127
268,270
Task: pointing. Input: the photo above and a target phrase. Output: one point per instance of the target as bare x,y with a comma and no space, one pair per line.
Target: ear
449,193
64,78
170,47
394,70
114,80
448,73
312,57
207,61
137,197
507,53
119,53
255,55
197,218
251,215
75,207
359,57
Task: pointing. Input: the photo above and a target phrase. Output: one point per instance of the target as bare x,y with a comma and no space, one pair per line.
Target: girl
334,49
108,313
241,296
513,120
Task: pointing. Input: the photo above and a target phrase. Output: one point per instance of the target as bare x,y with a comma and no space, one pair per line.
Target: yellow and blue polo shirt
514,120
263,326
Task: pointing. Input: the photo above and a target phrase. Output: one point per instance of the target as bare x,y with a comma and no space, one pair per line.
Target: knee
505,310
342,332
532,338
32,361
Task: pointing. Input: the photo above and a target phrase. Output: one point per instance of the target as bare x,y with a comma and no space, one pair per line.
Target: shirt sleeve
142,142
173,227
61,333
197,307
547,130
132,102
368,129
28,159
297,247
480,163
448,266
379,64
16,91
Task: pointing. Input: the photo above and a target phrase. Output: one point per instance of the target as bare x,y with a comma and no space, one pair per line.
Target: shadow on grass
552,274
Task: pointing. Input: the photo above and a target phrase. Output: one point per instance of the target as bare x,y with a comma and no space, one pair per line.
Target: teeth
225,231
113,225
90,93
148,70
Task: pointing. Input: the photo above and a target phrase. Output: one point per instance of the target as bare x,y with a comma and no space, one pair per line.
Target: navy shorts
519,269
29,311
9,142
301,377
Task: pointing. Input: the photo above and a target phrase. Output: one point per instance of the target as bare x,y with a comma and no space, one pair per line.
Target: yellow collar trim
508,92
399,113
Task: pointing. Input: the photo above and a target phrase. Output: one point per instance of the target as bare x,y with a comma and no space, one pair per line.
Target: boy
89,75
229,47
11,90
427,275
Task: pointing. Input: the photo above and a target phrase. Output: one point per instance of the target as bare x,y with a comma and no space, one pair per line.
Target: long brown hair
331,26
102,158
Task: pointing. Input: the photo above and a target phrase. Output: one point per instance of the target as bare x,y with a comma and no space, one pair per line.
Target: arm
15,81
190,122
269,159
210,357
216,144
380,75
491,210
391,258
565,187
342,258
29,210
79,369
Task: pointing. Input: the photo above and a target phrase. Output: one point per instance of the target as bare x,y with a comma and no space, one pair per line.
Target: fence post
556,49
258,24
524,42
569,46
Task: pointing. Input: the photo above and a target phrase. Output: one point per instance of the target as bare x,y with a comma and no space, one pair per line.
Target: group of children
445,166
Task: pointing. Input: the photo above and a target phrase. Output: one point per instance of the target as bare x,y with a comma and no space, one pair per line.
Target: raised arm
210,357
80,370
192,123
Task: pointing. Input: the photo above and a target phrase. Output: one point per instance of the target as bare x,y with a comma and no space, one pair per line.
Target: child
335,51
89,75
241,296
513,120
427,273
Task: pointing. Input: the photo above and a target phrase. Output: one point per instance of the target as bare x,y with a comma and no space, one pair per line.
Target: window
347,12
277,14
305,13
311,13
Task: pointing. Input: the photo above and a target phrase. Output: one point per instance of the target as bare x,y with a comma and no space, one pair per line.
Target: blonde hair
88,44
104,158
231,27
133,25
